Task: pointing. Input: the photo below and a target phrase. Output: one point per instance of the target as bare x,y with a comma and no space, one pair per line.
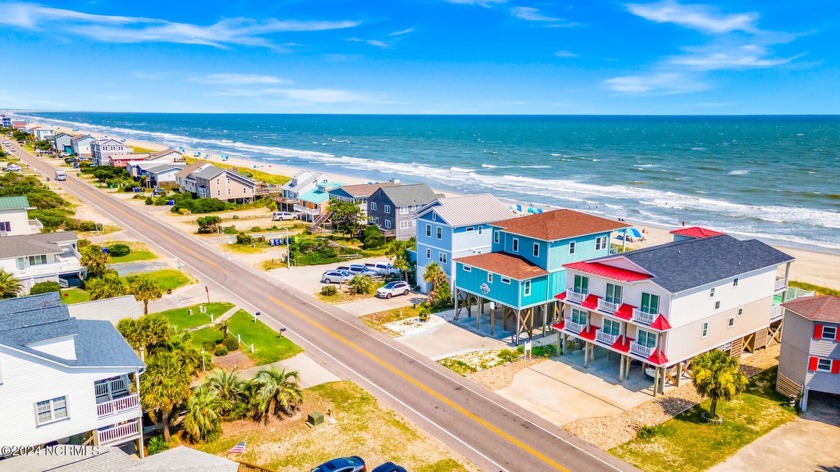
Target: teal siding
584,250
557,282
506,294
539,294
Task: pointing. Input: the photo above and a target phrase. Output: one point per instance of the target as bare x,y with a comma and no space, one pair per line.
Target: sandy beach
819,268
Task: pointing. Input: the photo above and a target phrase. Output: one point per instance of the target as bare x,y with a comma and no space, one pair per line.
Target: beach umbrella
634,233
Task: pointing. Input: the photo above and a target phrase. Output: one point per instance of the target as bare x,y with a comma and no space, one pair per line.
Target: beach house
393,209
525,269
169,155
663,305
81,145
208,181
313,206
302,182
454,227
101,150
6,121
62,142
65,380
14,219
43,133
33,258
359,194
809,363
162,175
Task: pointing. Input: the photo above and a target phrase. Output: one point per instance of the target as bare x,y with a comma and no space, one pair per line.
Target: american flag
238,449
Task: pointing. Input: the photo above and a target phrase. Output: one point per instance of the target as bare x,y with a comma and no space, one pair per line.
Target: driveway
447,340
808,443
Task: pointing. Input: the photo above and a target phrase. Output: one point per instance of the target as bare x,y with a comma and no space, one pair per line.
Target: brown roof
558,224
365,190
824,308
189,169
501,263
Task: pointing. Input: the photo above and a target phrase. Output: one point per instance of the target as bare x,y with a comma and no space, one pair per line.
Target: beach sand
819,268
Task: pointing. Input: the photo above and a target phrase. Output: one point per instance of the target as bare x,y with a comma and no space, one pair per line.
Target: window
428,231
515,244
376,221
600,243
442,258
228,191
824,365
470,229
536,249
705,329
413,223
5,225
581,284
489,277
387,209
428,253
218,181
218,192
717,305
387,224
740,312
467,269
646,338
403,224
479,229
735,283
829,332
612,327
48,411
439,232
403,210
731,321
711,292
613,294
650,303
37,260
496,237
579,316
373,206
526,288
505,280
572,247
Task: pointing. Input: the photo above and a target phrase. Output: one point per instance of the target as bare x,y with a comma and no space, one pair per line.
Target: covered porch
498,320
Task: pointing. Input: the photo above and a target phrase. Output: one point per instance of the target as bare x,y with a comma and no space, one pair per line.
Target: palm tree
164,386
228,385
716,375
436,278
361,284
144,289
9,285
107,286
203,421
95,261
397,253
189,353
223,326
275,391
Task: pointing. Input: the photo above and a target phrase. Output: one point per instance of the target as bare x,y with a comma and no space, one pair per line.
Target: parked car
343,268
359,269
13,168
282,216
389,467
383,269
158,191
342,464
392,289
336,276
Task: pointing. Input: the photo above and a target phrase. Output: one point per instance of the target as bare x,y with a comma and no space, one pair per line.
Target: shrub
235,217
372,237
231,342
221,350
119,250
508,355
208,224
242,238
83,243
208,346
256,229
647,431
44,287
149,201
230,230
425,312
328,290
546,350
156,444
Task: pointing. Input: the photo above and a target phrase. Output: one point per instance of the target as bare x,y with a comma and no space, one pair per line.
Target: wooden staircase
318,224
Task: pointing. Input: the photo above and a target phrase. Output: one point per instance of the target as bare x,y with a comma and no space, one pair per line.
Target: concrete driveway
447,340
808,443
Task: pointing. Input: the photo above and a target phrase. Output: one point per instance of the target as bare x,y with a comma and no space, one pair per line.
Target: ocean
772,177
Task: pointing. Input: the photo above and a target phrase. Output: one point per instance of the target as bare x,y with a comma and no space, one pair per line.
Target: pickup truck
383,269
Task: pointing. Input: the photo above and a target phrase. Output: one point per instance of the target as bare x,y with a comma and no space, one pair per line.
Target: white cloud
402,32
122,29
664,82
482,3
746,56
530,14
567,54
696,16
239,79
307,95
372,42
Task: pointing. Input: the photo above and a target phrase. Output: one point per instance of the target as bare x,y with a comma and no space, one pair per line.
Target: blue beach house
454,227
524,270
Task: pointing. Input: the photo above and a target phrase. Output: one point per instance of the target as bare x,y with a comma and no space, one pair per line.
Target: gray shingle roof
35,244
207,173
468,210
26,320
693,263
183,459
409,195
109,459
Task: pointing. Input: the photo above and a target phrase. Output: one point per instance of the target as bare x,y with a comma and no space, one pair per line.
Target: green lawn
269,346
181,318
168,278
139,252
206,335
74,295
686,443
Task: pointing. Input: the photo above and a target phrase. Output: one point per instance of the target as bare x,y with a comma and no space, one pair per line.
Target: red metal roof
625,312
661,324
589,333
610,272
590,302
658,358
697,232
560,325
561,297
622,344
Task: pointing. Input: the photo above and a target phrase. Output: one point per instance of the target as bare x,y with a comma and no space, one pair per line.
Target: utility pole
288,250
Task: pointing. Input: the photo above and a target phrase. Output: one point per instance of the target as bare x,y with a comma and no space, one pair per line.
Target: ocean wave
489,166
739,172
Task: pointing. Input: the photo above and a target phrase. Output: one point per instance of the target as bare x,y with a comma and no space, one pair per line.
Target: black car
342,464
389,467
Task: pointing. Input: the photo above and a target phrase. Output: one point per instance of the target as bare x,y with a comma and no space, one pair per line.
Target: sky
422,56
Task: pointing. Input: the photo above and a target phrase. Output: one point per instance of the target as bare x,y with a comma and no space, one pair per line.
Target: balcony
608,339
110,387
574,327
608,307
776,312
62,265
781,284
307,211
117,433
641,351
118,405
574,296
643,317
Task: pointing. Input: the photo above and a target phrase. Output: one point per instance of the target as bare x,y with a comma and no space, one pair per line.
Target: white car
383,269
336,276
392,289
282,216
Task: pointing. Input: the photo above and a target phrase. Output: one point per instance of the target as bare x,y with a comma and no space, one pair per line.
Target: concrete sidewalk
311,373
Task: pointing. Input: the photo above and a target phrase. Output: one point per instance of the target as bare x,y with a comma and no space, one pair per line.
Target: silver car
336,276
392,289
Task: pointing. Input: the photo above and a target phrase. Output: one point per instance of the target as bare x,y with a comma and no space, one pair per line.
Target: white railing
776,312
641,351
640,316
574,327
117,405
607,307
606,338
307,211
112,386
781,283
117,432
574,296
65,266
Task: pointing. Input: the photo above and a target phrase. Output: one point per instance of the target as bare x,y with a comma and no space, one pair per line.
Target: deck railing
118,405
641,351
574,327
607,307
606,338
643,317
110,386
574,296
781,283
776,312
114,433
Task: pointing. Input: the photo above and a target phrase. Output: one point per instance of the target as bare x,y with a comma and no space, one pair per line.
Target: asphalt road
490,431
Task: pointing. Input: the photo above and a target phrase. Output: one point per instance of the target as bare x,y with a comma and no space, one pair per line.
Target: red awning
658,358
589,333
561,297
622,344
610,272
625,312
661,324
591,302
560,325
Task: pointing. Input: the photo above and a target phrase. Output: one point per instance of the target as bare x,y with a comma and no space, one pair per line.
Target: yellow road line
423,387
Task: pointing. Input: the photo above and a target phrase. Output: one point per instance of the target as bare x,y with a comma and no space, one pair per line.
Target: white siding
796,340
19,222
696,304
